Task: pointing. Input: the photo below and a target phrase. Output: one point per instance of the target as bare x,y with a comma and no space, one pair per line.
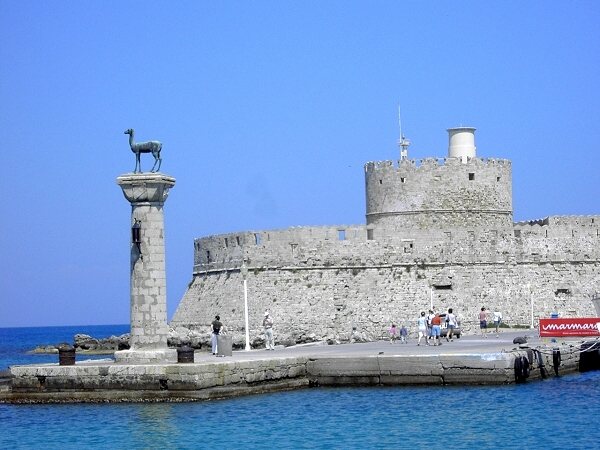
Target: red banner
580,326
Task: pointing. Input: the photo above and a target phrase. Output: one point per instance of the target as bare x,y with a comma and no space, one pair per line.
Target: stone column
147,193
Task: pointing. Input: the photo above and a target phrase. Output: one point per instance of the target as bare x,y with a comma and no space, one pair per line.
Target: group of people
483,320
430,326
217,328
395,332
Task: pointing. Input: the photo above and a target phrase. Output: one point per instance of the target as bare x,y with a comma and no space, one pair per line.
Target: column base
159,356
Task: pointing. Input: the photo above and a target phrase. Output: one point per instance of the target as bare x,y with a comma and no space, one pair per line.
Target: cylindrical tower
147,193
433,195
461,143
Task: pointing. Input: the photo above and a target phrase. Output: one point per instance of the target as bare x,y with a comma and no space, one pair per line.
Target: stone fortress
438,232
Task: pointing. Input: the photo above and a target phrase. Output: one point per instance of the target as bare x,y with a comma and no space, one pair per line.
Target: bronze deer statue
153,147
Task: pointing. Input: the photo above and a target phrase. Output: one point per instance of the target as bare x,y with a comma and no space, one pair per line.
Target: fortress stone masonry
437,231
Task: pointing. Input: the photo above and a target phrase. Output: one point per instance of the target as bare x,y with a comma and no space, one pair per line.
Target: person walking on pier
497,320
268,325
393,333
436,329
403,335
422,325
215,326
451,322
483,321
430,316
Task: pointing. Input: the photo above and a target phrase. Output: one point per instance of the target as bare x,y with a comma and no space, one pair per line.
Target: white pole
244,272
531,304
246,313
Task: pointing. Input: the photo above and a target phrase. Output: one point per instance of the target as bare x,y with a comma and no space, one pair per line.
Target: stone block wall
326,303
431,195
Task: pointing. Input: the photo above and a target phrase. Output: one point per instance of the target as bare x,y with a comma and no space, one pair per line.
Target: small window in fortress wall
237,240
497,178
471,176
402,180
257,239
562,291
341,235
442,287
226,242
380,181
208,257
369,235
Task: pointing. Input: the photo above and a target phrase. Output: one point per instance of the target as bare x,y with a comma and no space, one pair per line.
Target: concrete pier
470,360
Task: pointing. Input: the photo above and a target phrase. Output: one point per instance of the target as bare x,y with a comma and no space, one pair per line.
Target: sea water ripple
552,414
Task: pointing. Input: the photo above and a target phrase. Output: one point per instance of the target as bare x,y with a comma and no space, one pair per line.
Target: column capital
145,187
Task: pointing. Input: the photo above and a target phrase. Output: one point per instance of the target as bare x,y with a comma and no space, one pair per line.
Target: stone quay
470,360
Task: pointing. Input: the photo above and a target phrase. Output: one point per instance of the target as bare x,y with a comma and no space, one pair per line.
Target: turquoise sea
556,413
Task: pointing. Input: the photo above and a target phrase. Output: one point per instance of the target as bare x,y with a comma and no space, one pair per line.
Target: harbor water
551,414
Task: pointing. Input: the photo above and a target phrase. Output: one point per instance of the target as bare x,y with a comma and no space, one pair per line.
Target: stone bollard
66,355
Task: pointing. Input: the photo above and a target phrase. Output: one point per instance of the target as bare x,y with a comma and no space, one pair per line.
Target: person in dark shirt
216,329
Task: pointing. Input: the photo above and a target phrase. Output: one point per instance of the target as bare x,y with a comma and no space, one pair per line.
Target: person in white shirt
422,325
268,325
497,320
451,323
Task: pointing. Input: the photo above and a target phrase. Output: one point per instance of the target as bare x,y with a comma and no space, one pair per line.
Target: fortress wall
271,247
459,193
560,227
349,246
310,303
326,286
578,248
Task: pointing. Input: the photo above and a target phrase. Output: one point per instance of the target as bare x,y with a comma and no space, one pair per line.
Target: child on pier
393,333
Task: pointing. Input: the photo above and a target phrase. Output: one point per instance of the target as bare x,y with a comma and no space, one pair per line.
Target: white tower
461,143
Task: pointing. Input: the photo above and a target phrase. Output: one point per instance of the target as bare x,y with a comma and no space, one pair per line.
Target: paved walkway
476,344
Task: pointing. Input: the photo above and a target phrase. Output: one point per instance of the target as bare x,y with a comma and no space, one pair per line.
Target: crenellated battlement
434,162
565,227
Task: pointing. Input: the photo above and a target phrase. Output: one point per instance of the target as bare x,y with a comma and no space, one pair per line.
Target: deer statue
153,147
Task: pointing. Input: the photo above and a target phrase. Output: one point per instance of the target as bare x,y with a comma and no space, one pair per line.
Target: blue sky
267,112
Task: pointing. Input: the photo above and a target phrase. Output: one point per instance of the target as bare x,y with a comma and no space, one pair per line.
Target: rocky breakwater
84,343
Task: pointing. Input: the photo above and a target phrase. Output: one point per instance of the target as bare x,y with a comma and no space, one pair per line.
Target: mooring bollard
66,355
185,354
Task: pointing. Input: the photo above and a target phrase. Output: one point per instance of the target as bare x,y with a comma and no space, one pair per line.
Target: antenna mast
403,143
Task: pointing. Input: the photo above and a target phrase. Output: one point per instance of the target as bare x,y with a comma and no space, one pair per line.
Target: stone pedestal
147,193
